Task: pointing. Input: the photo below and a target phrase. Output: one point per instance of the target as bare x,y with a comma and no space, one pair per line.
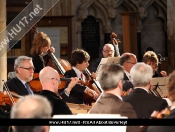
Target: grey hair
126,57
141,74
42,109
109,76
19,60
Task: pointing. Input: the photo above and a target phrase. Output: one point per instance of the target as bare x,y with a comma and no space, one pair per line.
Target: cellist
41,44
79,62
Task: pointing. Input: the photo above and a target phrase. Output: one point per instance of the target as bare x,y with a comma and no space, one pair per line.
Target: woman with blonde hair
40,47
151,59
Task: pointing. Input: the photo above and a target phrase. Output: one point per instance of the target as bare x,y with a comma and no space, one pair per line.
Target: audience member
143,103
110,102
31,107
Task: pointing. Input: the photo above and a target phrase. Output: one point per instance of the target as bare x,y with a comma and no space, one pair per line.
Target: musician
143,103
171,92
50,80
24,69
127,61
79,62
151,59
110,49
31,107
40,47
110,78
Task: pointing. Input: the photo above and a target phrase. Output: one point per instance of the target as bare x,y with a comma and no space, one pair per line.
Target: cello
54,63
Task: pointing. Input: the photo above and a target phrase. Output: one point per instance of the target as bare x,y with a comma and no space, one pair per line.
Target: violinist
170,85
40,47
127,61
151,59
79,62
50,80
24,69
143,103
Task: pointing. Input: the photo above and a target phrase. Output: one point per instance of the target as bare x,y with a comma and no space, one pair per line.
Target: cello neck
57,63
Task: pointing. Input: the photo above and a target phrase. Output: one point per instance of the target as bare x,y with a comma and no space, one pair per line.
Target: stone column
3,57
171,34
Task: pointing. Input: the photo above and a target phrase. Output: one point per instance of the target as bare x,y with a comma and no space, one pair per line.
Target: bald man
50,80
108,51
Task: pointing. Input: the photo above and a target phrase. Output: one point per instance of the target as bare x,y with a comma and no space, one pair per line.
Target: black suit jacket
59,107
125,77
164,128
144,103
77,93
17,86
38,62
126,83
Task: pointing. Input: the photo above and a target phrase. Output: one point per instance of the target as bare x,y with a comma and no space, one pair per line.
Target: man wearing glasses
50,81
127,61
24,69
108,51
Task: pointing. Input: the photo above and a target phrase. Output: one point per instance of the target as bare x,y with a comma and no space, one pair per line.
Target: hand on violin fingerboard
74,81
52,49
94,75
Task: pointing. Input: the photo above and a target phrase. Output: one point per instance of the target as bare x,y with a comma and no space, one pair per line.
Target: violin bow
8,92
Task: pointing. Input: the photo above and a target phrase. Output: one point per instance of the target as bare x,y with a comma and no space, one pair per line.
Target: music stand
159,84
108,60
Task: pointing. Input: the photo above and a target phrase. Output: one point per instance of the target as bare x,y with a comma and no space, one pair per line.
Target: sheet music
107,60
160,84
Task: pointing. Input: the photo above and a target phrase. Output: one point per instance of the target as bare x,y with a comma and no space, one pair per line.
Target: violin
160,114
8,97
125,93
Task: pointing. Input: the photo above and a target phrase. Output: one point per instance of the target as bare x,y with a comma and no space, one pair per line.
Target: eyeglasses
56,79
29,69
131,63
108,51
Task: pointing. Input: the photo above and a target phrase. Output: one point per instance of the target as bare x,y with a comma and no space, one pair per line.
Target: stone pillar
3,57
171,34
